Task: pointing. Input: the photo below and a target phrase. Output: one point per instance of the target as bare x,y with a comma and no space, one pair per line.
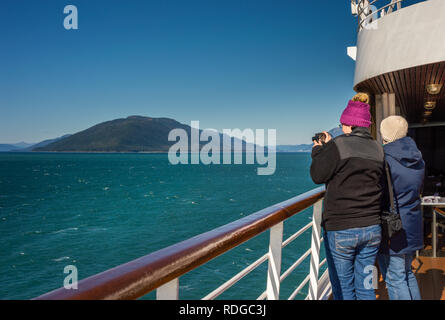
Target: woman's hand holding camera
321,138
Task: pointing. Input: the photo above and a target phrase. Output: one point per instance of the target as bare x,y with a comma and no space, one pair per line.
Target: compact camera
319,137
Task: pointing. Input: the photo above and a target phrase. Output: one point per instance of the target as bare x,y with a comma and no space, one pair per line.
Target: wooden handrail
138,277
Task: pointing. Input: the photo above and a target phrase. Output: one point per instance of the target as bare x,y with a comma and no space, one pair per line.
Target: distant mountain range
28,147
8,147
294,148
22,145
131,134
15,146
44,143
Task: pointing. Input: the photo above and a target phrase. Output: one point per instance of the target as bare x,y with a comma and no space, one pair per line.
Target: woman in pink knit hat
352,167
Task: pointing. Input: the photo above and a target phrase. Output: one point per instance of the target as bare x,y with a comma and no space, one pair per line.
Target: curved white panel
409,37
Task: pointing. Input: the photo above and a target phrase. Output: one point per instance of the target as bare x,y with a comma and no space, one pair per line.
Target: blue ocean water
97,211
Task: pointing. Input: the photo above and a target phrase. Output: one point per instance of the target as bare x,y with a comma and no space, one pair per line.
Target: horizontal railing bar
363,8
293,267
297,234
359,12
380,9
218,291
298,262
324,283
303,283
323,262
288,271
138,277
262,296
301,286
376,12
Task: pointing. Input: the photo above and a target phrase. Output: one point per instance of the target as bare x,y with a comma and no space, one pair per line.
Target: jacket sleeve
325,160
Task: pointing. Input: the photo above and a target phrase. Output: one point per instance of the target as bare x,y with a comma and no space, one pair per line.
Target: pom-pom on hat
393,128
362,97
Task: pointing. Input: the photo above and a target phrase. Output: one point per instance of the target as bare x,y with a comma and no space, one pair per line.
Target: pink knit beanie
356,114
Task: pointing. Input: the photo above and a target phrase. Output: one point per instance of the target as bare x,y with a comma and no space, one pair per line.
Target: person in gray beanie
393,128
407,170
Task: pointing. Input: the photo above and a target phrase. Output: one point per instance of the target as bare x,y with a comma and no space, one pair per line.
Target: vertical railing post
168,291
274,270
315,251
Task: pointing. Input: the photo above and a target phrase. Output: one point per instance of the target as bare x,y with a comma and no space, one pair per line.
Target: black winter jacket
352,167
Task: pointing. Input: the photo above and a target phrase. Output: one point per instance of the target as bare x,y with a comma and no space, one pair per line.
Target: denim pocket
375,237
346,242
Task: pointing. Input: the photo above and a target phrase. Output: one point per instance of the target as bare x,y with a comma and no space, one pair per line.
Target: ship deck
430,273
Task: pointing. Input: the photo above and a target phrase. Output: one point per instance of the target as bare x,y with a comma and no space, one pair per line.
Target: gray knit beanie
393,128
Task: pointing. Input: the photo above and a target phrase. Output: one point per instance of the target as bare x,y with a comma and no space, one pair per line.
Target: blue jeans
400,279
351,256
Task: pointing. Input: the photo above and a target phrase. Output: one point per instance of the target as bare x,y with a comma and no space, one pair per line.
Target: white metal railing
367,11
161,270
319,287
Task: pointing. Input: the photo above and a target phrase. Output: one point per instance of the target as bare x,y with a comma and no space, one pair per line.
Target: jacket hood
405,152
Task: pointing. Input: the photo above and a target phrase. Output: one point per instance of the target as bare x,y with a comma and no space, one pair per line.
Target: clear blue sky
260,64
